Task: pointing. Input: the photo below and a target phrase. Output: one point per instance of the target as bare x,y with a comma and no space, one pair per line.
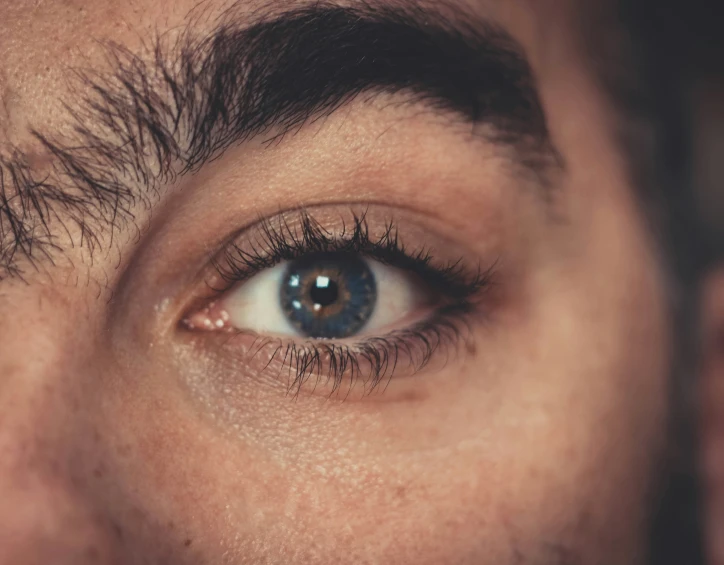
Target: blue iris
328,295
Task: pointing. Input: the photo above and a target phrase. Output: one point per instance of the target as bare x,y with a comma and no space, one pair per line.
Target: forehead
42,43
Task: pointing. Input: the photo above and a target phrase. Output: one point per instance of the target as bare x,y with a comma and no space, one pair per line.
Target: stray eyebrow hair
157,116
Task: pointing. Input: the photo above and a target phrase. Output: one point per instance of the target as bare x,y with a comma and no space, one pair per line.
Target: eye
338,302
324,295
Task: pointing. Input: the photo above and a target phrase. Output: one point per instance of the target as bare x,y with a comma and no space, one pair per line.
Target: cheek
542,443
535,440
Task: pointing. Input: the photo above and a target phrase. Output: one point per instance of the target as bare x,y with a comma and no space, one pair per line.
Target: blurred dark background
679,83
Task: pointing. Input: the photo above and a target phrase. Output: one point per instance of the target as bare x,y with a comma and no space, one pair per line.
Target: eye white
255,304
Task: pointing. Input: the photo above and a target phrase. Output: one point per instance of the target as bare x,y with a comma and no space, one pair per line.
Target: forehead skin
41,41
546,460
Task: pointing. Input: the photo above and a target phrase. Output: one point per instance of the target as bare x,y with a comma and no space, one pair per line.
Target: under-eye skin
340,305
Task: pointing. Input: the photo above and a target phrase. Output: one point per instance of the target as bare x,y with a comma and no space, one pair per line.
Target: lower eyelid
328,368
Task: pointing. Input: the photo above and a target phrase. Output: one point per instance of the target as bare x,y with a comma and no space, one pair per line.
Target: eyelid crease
288,237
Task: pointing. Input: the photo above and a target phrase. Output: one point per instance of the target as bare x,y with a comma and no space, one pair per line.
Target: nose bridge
44,520
46,513
40,366
36,383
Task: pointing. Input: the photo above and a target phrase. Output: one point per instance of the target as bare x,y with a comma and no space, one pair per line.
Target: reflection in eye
337,304
324,295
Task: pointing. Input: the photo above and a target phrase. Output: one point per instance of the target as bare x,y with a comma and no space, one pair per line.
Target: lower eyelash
372,361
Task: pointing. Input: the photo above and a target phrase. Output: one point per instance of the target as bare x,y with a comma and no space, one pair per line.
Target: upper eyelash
282,242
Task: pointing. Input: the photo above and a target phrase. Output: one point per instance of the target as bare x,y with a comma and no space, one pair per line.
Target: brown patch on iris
336,278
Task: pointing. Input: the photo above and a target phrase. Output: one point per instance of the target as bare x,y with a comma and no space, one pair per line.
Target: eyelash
448,326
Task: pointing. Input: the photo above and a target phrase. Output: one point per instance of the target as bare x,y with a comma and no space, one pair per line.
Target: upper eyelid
287,238
98,165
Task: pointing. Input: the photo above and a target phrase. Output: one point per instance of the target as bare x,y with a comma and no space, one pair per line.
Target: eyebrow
154,117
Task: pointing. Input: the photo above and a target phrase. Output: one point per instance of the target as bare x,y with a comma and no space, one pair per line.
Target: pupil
324,292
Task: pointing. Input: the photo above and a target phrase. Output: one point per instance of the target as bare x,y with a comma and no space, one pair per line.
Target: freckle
187,543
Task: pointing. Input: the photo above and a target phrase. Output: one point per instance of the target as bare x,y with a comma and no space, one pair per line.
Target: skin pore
142,141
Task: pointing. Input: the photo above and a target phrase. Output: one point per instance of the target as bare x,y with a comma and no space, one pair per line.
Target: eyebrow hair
157,116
